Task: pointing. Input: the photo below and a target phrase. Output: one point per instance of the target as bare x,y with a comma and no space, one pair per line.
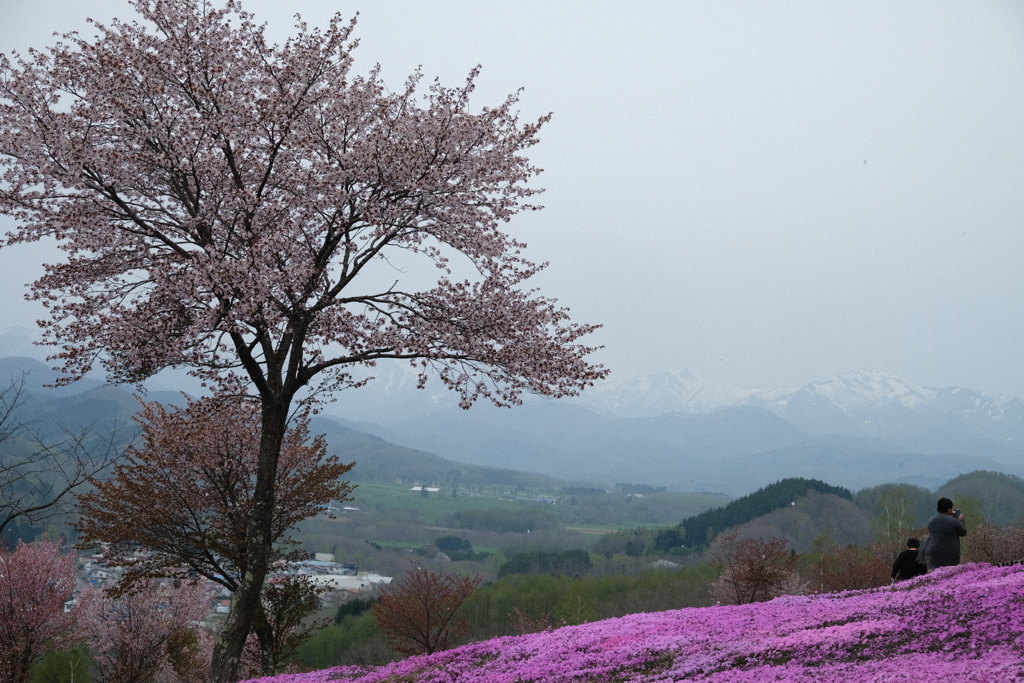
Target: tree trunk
265,634
227,652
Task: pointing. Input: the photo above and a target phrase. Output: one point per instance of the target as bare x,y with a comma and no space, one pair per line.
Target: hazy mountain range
689,433
683,431
866,403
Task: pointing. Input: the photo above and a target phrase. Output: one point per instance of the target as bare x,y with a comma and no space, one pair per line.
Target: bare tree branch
37,471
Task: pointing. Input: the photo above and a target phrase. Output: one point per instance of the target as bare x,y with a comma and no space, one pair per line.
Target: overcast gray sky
766,193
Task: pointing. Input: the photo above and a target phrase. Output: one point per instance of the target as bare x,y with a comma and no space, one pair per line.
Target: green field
431,509
591,515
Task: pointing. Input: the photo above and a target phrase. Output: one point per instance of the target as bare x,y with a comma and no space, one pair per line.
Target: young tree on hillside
989,543
185,493
35,581
37,473
753,569
419,614
289,602
849,567
256,210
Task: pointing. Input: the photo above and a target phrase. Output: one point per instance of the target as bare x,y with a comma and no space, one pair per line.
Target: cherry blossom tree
182,497
420,613
753,569
230,206
35,581
135,635
184,492
849,567
989,543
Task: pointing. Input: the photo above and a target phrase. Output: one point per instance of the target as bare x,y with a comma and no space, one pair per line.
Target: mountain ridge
688,433
691,434
687,391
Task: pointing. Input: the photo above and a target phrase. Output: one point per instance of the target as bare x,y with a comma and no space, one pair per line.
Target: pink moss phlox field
959,623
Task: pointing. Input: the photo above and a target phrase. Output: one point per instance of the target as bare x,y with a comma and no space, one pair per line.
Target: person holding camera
942,548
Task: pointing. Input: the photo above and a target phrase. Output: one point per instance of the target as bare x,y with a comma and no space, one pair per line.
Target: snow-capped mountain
863,403
683,391
687,391
856,390
689,433
684,431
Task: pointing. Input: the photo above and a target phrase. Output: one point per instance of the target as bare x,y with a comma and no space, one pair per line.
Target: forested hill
695,531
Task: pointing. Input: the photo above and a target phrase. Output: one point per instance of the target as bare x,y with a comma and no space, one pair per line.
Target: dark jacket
906,566
943,547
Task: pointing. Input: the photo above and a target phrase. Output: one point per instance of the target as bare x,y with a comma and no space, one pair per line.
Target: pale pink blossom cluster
148,634
36,580
132,637
959,623
270,220
230,206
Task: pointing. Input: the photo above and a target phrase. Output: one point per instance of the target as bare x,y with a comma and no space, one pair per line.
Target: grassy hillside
393,520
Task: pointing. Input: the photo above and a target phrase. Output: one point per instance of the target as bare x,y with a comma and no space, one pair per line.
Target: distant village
339,581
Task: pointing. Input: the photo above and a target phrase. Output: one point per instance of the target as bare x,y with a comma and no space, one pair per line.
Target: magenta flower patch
960,623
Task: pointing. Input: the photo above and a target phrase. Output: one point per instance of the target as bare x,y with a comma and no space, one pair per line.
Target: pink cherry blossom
153,629
236,207
36,580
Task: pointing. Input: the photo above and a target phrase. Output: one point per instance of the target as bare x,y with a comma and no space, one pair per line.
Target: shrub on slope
960,623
